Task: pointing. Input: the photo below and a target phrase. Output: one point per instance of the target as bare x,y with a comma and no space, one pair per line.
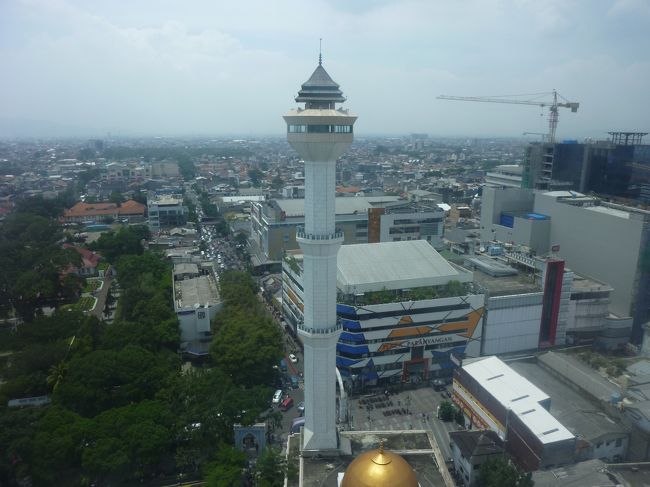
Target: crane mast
553,104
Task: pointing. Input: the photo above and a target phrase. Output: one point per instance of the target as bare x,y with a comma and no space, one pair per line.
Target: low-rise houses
105,211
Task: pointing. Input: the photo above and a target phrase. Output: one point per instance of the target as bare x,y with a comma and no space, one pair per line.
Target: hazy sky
233,67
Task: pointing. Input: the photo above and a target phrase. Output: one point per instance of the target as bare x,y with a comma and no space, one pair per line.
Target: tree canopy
122,409
32,260
500,472
126,241
241,327
255,175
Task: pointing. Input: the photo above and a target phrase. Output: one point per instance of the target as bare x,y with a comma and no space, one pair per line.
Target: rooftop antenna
320,51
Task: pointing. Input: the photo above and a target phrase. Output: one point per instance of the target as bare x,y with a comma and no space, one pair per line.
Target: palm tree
56,374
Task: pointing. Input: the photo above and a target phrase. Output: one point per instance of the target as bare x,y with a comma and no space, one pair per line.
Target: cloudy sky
213,67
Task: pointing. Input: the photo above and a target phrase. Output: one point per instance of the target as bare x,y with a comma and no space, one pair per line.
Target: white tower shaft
320,330
320,134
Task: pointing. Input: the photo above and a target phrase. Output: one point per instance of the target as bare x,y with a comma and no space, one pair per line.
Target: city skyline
88,68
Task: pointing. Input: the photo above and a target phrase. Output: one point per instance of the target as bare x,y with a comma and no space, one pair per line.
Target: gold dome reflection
379,468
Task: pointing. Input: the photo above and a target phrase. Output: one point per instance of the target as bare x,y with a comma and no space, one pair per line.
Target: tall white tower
320,133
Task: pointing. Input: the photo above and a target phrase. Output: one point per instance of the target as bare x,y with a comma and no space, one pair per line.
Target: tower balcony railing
300,233
319,331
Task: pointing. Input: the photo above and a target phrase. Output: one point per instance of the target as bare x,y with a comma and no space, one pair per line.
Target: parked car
286,404
277,397
293,358
301,408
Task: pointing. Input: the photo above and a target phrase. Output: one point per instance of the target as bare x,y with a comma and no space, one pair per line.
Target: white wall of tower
320,192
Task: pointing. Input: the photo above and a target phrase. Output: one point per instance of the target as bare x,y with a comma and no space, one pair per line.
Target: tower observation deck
320,133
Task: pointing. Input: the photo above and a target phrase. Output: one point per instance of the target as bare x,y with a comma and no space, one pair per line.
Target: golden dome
379,468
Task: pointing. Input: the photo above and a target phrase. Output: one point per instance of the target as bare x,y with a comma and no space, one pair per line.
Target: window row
319,129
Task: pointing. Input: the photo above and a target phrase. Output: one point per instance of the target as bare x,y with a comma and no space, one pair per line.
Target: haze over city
86,68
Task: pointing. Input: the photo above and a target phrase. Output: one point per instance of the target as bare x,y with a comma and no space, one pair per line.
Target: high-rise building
320,133
619,167
609,242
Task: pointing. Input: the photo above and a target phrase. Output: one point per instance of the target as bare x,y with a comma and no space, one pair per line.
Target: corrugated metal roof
393,265
520,396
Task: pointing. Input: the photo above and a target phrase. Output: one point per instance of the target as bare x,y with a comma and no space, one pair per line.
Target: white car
293,358
277,396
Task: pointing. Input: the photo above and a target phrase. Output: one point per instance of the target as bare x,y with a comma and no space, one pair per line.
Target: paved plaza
406,410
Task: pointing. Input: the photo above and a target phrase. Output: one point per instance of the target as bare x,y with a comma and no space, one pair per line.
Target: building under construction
619,167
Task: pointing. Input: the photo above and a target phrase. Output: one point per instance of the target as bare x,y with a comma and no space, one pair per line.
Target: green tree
446,412
57,445
56,375
227,469
500,472
126,241
140,196
234,341
242,325
128,442
459,417
17,428
32,260
255,175
46,207
83,178
277,182
117,198
271,468
104,379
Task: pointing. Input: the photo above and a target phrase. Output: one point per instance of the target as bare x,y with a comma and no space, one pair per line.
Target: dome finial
320,51
381,445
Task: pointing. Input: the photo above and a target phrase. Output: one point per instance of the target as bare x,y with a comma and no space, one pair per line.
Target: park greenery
125,241
122,409
32,262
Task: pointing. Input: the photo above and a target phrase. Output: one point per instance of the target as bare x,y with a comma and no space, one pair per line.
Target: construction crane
539,100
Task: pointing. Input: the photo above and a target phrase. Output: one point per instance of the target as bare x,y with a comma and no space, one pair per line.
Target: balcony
300,233
319,331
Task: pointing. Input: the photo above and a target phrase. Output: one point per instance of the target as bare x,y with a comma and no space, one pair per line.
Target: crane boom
553,105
